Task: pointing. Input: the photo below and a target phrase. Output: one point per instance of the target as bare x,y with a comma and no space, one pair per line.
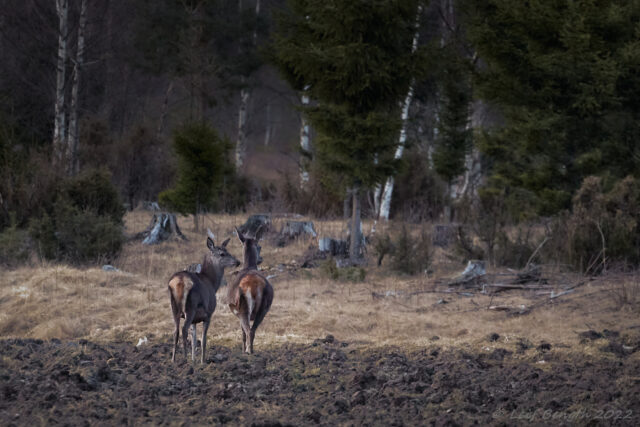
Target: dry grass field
431,333
60,301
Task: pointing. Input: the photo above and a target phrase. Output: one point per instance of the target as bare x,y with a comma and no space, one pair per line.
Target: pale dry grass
64,302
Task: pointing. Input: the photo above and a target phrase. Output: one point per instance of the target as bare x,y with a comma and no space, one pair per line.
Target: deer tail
179,287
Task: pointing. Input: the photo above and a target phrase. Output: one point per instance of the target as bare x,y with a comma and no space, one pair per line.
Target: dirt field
326,382
418,355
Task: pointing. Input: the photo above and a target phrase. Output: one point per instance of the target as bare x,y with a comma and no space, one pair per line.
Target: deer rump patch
251,287
180,285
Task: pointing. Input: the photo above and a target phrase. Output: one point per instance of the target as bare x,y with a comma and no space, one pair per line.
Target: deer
193,295
250,295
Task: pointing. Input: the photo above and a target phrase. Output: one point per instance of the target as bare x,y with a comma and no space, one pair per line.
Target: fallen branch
536,252
554,295
522,309
395,294
516,286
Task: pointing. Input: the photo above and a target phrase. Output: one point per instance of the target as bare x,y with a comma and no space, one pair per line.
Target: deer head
251,250
218,255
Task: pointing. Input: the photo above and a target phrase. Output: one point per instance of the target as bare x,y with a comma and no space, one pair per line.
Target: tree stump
333,246
294,229
473,272
163,227
260,223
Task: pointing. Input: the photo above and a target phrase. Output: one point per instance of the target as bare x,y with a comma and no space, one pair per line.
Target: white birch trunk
72,137
245,95
241,142
468,183
305,144
267,131
385,200
377,191
59,130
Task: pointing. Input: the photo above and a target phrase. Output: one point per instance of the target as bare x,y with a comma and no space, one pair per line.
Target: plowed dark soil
327,382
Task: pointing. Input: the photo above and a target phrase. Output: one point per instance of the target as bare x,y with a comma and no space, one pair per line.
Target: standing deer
193,295
250,296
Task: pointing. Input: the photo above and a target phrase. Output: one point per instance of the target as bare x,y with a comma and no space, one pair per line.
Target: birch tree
245,95
385,201
59,131
305,142
72,135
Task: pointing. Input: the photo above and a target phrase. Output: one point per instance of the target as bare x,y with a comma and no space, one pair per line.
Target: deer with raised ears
250,296
193,295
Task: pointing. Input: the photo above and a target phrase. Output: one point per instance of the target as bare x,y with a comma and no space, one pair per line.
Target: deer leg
176,334
256,322
176,321
246,329
244,339
262,311
205,327
194,341
185,330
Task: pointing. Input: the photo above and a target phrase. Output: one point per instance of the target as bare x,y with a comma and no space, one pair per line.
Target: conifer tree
454,136
356,58
202,165
565,77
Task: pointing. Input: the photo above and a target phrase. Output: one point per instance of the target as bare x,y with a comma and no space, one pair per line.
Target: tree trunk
165,110
377,193
469,182
355,245
241,142
385,201
72,140
245,94
59,131
305,143
267,132
345,205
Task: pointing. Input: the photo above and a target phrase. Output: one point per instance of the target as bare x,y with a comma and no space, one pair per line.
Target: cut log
163,227
256,226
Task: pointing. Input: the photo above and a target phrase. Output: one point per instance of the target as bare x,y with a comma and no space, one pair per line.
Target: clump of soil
327,382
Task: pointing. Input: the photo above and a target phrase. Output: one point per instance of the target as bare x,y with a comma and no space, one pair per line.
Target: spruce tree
565,77
356,58
454,136
202,165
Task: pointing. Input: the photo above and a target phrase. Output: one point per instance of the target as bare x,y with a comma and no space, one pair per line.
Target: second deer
250,296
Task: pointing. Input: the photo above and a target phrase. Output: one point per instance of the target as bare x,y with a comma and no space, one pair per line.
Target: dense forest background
487,113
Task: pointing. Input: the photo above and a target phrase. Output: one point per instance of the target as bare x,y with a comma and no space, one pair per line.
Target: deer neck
212,271
250,258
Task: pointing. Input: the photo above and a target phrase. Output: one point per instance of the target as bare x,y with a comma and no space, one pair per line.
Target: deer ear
210,243
224,244
240,236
